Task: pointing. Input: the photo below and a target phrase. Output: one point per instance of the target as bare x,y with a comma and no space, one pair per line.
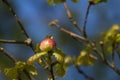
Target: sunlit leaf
35,57
118,38
11,73
97,1
59,55
109,49
37,49
75,1
48,61
110,35
60,70
69,60
31,69
53,2
85,59
20,65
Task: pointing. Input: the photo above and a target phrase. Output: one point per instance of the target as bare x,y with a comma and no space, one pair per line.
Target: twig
83,73
51,66
85,21
112,66
29,75
113,54
118,53
16,17
8,54
69,14
52,73
10,57
12,41
14,61
103,50
19,22
74,35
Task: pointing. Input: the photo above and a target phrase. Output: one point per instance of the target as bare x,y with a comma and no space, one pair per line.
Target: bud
47,44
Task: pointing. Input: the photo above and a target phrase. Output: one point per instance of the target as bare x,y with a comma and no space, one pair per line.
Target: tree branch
16,17
69,14
74,35
8,54
12,41
110,65
85,21
20,23
83,73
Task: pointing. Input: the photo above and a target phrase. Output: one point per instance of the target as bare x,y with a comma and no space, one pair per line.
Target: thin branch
52,73
51,66
112,66
20,23
12,41
103,50
118,53
83,73
113,54
29,75
69,14
16,17
74,35
8,54
85,21
14,61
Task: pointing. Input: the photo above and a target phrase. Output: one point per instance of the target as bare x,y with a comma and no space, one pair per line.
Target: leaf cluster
18,70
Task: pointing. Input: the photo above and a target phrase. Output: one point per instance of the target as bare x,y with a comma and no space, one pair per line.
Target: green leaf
60,70
110,35
20,65
11,73
109,49
85,59
37,49
35,57
31,69
97,1
75,1
59,55
53,2
68,61
118,38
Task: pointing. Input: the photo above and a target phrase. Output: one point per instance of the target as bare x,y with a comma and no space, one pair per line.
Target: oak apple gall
47,44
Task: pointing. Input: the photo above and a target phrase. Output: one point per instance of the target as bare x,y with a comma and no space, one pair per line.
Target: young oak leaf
75,1
68,61
31,69
53,2
35,57
60,70
59,55
97,1
85,59
12,73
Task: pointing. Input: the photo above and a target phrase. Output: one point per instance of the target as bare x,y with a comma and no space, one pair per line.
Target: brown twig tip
101,43
28,41
53,23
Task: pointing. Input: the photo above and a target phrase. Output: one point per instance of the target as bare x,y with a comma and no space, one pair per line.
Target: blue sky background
35,16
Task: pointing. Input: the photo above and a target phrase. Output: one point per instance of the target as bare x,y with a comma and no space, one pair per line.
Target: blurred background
35,16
